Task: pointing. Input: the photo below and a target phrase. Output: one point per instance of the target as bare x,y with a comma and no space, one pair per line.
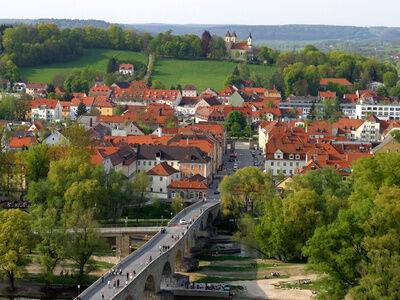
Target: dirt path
265,289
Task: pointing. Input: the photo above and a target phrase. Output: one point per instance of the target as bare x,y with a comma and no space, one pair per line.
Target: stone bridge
151,273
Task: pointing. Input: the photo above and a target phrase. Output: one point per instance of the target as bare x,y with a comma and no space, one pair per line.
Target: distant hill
259,32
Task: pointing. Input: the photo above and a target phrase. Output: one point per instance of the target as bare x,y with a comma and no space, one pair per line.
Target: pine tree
112,65
81,109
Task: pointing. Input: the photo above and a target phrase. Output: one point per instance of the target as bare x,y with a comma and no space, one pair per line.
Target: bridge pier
123,243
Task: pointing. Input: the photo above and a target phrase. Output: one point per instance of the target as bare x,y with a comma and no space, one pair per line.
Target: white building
381,111
46,109
189,91
126,69
162,175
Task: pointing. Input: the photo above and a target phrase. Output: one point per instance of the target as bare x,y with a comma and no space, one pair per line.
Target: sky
254,12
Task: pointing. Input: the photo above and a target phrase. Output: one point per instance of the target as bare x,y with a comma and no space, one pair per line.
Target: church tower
250,40
233,37
228,37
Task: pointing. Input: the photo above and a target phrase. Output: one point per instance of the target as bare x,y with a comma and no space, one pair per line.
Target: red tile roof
344,81
47,103
240,46
36,86
19,142
88,101
327,94
162,169
99,90
188,185
125,67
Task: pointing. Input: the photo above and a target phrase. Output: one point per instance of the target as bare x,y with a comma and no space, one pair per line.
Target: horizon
223,12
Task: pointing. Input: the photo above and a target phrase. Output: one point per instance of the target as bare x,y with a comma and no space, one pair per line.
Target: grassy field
201,73
96,58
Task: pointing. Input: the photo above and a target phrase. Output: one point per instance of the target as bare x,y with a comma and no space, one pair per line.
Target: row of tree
346,230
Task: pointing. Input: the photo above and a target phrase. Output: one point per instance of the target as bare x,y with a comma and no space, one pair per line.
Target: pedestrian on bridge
127,275
109,284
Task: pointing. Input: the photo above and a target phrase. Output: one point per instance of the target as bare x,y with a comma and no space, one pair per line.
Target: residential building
162,175
190,191
324,82
126,69
88,101
49,110
56,138
388,145
33,89
189,91
21,143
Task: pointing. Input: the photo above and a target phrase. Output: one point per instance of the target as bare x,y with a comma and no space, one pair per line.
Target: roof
122,84
388,139
190,87
125,66
39,86
99,90
344,81
45,103
327,94
240,46
187,185
88,101
162,169
19,142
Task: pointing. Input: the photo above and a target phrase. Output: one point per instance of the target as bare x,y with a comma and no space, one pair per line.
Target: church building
239,50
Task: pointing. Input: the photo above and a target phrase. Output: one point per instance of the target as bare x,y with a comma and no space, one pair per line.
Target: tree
82,239
177,203
243,70
81,110
205,41
15,243
37,162
390,79
112,65
141,184
395,91
51,233
235,122
78,136
157,84
382,91
232,80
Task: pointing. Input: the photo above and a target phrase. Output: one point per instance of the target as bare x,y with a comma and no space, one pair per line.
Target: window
272,163
192,167
290,156
297,156
161,178
278,163
144,163
291,164
284,164
173,195
200,195
199,167
160,190
155,163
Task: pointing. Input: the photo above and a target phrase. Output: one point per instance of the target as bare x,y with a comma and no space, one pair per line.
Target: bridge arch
178,261
210,219
149,288
187,247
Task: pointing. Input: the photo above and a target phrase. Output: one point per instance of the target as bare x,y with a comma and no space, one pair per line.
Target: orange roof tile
188,185
344,81
162,169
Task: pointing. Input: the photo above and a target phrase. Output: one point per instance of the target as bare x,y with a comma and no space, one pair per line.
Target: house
209,114
34,88
35,127
326,95
162,175
188,190
126,69
49,110
187,107
274,93
120,85
188,160
66,109
100,90
88,101
105,106
236,99
59,90
21,143
324,82
238,50
56,138
189,91
388,145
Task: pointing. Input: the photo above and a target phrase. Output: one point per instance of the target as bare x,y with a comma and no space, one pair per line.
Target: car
216,192
182,222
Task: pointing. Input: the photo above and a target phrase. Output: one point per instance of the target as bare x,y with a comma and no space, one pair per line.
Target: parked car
216,192
182,222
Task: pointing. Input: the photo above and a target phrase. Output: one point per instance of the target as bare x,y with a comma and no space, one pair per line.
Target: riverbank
31,289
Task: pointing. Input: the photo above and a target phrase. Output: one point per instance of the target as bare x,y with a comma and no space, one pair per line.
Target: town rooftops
162,169
36,86
20,142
